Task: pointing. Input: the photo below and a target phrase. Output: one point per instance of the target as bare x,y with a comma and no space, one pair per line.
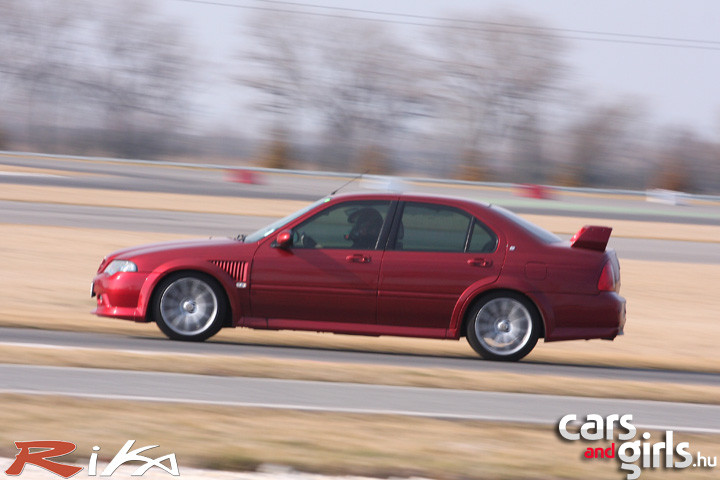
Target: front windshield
269,229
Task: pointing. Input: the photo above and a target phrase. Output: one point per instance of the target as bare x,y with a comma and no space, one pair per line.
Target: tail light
606,283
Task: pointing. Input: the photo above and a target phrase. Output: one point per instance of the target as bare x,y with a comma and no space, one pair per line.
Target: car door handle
479,262
358,258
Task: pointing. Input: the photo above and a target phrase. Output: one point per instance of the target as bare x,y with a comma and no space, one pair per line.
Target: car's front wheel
503,326
189,306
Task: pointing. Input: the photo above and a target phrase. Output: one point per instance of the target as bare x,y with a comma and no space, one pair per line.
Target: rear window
537,232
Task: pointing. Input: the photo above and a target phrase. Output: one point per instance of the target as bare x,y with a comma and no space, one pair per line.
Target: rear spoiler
591,237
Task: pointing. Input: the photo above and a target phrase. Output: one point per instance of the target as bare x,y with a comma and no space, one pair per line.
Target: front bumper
120,295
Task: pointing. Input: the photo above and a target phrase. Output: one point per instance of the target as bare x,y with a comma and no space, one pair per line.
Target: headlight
120,266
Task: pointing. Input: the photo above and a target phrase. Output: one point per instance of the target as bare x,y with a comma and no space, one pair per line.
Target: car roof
410,197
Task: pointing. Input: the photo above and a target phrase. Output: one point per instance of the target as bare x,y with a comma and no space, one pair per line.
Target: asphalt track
237,349
348,397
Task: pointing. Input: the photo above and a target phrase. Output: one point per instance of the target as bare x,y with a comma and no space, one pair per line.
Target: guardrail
664,196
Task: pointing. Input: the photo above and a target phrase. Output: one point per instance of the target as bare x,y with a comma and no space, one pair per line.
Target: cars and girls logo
42,453
633,454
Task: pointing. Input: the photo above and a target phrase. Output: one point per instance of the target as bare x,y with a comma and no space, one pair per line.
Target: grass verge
226,438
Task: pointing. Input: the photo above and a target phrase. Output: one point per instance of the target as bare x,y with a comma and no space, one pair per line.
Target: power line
495,24
479,25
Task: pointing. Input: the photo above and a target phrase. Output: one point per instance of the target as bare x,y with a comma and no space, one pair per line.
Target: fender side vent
237,270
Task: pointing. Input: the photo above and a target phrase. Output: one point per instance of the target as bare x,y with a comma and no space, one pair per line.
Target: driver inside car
367,223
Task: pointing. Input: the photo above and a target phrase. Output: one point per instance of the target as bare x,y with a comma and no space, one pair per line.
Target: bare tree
684,162
605,146
498,73
142,77
374,86
36,58
103,64
275,65
350,81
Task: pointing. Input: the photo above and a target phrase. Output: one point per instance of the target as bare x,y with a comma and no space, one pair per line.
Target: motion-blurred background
557,92
612,94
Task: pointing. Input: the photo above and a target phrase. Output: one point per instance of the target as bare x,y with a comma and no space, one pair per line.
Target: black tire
503,326
189,306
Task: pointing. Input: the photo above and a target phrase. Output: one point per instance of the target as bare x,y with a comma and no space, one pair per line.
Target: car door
436,252
329,275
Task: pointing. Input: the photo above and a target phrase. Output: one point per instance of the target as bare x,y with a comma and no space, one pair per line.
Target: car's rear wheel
503,326
189,306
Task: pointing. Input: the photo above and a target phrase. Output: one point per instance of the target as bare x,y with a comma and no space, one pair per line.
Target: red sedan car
378,264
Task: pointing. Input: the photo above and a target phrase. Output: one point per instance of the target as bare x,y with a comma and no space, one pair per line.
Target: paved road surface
236,348
348,397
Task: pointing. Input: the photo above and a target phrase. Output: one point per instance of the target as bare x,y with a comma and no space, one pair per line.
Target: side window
482,239
347,225
432,228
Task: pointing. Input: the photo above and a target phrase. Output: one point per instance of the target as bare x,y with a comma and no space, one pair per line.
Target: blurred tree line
84,76
490,100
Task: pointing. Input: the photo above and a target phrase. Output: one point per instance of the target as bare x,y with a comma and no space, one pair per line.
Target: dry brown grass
377,445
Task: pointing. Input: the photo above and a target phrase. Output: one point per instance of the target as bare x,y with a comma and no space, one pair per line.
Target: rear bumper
585,317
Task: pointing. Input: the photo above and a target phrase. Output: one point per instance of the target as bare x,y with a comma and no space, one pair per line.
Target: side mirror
283,240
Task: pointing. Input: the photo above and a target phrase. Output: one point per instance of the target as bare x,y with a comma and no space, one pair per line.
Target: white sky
677,85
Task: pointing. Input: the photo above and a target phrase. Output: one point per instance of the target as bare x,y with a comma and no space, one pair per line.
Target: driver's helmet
367,223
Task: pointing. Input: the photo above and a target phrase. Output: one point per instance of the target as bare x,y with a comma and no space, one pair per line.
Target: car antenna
358,177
